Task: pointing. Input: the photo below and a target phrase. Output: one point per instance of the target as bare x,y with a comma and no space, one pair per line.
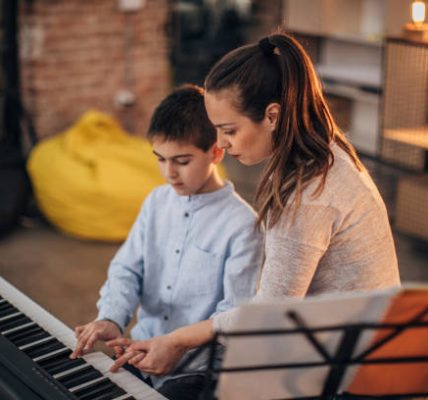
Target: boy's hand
156,356
88,334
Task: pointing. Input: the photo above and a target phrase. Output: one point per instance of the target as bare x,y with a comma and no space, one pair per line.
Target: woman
327,228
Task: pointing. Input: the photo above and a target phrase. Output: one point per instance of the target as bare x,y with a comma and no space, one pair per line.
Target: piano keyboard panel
48,343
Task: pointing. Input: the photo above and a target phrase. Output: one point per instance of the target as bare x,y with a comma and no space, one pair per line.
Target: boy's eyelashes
229,131
178,162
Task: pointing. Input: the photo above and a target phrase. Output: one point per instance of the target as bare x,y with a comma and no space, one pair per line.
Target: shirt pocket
202,272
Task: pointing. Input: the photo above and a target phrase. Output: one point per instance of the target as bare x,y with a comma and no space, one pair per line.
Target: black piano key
50,357
43,348
64,364
4,303
23,333
14,322
107,393
79,377
31,337
7,309
95,389
112,394
54,360
36,344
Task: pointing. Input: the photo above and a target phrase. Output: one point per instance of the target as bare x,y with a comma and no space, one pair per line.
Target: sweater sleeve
293,250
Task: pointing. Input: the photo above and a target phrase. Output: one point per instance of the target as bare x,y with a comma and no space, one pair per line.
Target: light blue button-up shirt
186,259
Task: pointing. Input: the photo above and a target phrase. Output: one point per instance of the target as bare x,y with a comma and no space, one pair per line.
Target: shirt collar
196,201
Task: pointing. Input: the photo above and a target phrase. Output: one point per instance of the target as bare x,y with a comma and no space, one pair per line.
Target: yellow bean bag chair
91,180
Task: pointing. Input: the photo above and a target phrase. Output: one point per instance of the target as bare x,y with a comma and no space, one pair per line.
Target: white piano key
83,385
5,318
124,379
17,328
52,353
35,343
69,371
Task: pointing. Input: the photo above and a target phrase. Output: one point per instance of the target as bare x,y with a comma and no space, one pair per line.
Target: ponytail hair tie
266,46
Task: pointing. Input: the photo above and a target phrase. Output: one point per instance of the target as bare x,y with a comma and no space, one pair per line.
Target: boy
193,251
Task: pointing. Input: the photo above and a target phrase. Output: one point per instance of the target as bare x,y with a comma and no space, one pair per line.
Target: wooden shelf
369,40
413,136
358,75
350,92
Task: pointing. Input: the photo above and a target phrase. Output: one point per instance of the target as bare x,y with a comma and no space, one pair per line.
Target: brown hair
181,117
277,69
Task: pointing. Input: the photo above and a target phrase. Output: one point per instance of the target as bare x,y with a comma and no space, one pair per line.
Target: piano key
43,348
31,337
87,384
58,362
94,389
70,370
125,397
24,332
6,309
52,354
111,394
14,322
18,328
61,363
32,344
102,389
79,377
10,315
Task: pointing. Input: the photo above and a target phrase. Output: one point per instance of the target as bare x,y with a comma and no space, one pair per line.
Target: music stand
349,353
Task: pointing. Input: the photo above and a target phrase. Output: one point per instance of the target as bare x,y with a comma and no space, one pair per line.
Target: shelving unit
405,134
349,36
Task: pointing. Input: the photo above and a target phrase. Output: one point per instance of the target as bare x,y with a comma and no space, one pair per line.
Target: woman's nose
222,142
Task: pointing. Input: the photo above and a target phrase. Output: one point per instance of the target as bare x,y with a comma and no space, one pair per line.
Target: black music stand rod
338,363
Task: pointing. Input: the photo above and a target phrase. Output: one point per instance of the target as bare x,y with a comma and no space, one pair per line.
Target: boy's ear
217,153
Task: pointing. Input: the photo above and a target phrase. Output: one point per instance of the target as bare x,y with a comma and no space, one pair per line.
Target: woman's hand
156,356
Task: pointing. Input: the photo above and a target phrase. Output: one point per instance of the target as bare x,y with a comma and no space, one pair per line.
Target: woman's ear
217,154
272,114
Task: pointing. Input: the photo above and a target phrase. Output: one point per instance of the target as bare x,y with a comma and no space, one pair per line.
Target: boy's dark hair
182,117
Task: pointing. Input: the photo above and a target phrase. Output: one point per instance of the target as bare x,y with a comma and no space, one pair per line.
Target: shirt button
186,214
169,287
177,251
165,317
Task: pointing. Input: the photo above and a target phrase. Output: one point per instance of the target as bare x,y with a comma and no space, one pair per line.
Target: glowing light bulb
418,12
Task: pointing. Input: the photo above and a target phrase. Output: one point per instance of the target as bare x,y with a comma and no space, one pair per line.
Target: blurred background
79,80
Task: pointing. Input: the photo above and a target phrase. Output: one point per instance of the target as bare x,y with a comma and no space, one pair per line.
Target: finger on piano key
60,363
41,333
122,360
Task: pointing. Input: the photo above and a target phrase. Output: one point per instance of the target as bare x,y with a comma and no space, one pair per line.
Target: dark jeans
184,388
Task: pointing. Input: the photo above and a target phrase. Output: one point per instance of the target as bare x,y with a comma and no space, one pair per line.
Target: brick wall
78,54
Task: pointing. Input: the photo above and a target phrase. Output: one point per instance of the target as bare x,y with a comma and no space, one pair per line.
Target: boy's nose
171,171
